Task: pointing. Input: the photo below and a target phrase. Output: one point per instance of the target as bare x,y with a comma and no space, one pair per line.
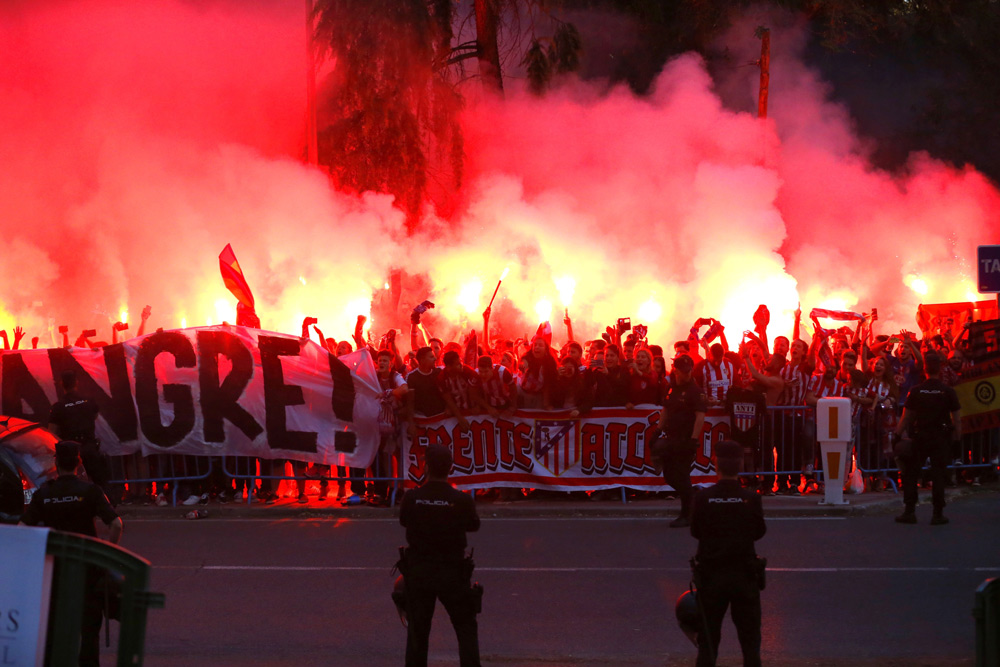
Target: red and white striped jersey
459,386
832,389
716,379
796,384
500,389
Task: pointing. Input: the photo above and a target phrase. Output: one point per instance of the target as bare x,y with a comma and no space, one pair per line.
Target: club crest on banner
745,415
556,444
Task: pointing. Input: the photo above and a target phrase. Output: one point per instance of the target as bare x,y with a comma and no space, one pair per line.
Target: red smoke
139,138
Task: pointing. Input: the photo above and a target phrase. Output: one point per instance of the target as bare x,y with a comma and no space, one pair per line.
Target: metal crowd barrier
789,449
251,477
171,471
161,469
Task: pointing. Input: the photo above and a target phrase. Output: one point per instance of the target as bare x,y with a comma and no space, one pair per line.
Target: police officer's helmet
686,610
399,598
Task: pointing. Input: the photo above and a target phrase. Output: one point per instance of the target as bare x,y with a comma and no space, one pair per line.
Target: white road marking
510,519
366,568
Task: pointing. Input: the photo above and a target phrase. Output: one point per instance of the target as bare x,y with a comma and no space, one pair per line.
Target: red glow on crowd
140,138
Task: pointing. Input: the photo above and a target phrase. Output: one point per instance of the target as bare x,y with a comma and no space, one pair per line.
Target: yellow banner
979,394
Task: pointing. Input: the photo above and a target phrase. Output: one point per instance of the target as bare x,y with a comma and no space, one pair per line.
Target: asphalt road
571,591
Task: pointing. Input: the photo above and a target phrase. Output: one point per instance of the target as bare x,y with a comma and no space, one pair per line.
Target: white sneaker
193,499
161,500
957,462
238,497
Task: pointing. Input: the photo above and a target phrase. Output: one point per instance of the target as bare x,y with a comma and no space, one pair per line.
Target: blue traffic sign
989,269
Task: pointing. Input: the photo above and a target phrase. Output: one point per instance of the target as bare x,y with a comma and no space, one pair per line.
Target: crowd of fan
621,368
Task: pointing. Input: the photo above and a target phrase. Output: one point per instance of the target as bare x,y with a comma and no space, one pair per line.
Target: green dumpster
987,614
73,554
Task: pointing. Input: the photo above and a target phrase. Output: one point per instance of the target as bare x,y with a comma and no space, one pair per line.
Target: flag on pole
232,276
841,315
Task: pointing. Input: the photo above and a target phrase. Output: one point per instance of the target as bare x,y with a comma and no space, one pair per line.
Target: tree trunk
489,53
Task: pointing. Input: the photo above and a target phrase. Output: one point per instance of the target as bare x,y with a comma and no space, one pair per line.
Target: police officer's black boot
908,516
938,519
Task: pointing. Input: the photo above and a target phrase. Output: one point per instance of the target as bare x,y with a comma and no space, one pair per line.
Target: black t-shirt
427,398
683,401
611,388
74,418
931,403
726,520
436,517
71,504
747,410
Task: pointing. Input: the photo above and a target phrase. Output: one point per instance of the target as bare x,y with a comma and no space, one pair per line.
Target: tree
394,112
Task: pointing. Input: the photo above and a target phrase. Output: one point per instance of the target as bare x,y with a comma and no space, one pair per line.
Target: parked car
27,459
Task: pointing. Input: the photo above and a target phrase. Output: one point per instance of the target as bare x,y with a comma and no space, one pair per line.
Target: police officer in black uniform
70,504
436,517
726,521
74,417
933,417
681,422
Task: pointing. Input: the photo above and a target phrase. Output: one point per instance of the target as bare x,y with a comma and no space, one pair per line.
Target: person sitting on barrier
68,503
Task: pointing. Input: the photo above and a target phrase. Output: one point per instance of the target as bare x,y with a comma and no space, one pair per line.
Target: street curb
868,504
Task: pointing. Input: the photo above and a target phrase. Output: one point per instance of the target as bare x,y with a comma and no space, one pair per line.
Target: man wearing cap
70,504
681,422
436,517
726,521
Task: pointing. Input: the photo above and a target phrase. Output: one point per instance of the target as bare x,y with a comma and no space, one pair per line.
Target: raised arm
146,312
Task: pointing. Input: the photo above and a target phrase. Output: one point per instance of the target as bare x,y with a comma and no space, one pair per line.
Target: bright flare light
468,296
302,279
361,306
917,284
123,315
650,311
184,323
504,274
544,310
225,310
566,286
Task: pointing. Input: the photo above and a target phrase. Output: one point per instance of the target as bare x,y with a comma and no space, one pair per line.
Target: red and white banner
211,391
610,447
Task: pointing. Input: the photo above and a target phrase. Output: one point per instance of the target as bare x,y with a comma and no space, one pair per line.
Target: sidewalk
882,502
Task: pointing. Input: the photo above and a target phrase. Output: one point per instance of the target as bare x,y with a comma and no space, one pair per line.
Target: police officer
436,517
74,418
681,422
932,416
70,504
726,521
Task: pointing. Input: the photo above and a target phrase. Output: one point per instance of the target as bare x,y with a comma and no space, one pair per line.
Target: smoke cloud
139,138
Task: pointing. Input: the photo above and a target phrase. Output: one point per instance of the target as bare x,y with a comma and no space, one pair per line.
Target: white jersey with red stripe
833,389
716,379
796,383
500,389
459,386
